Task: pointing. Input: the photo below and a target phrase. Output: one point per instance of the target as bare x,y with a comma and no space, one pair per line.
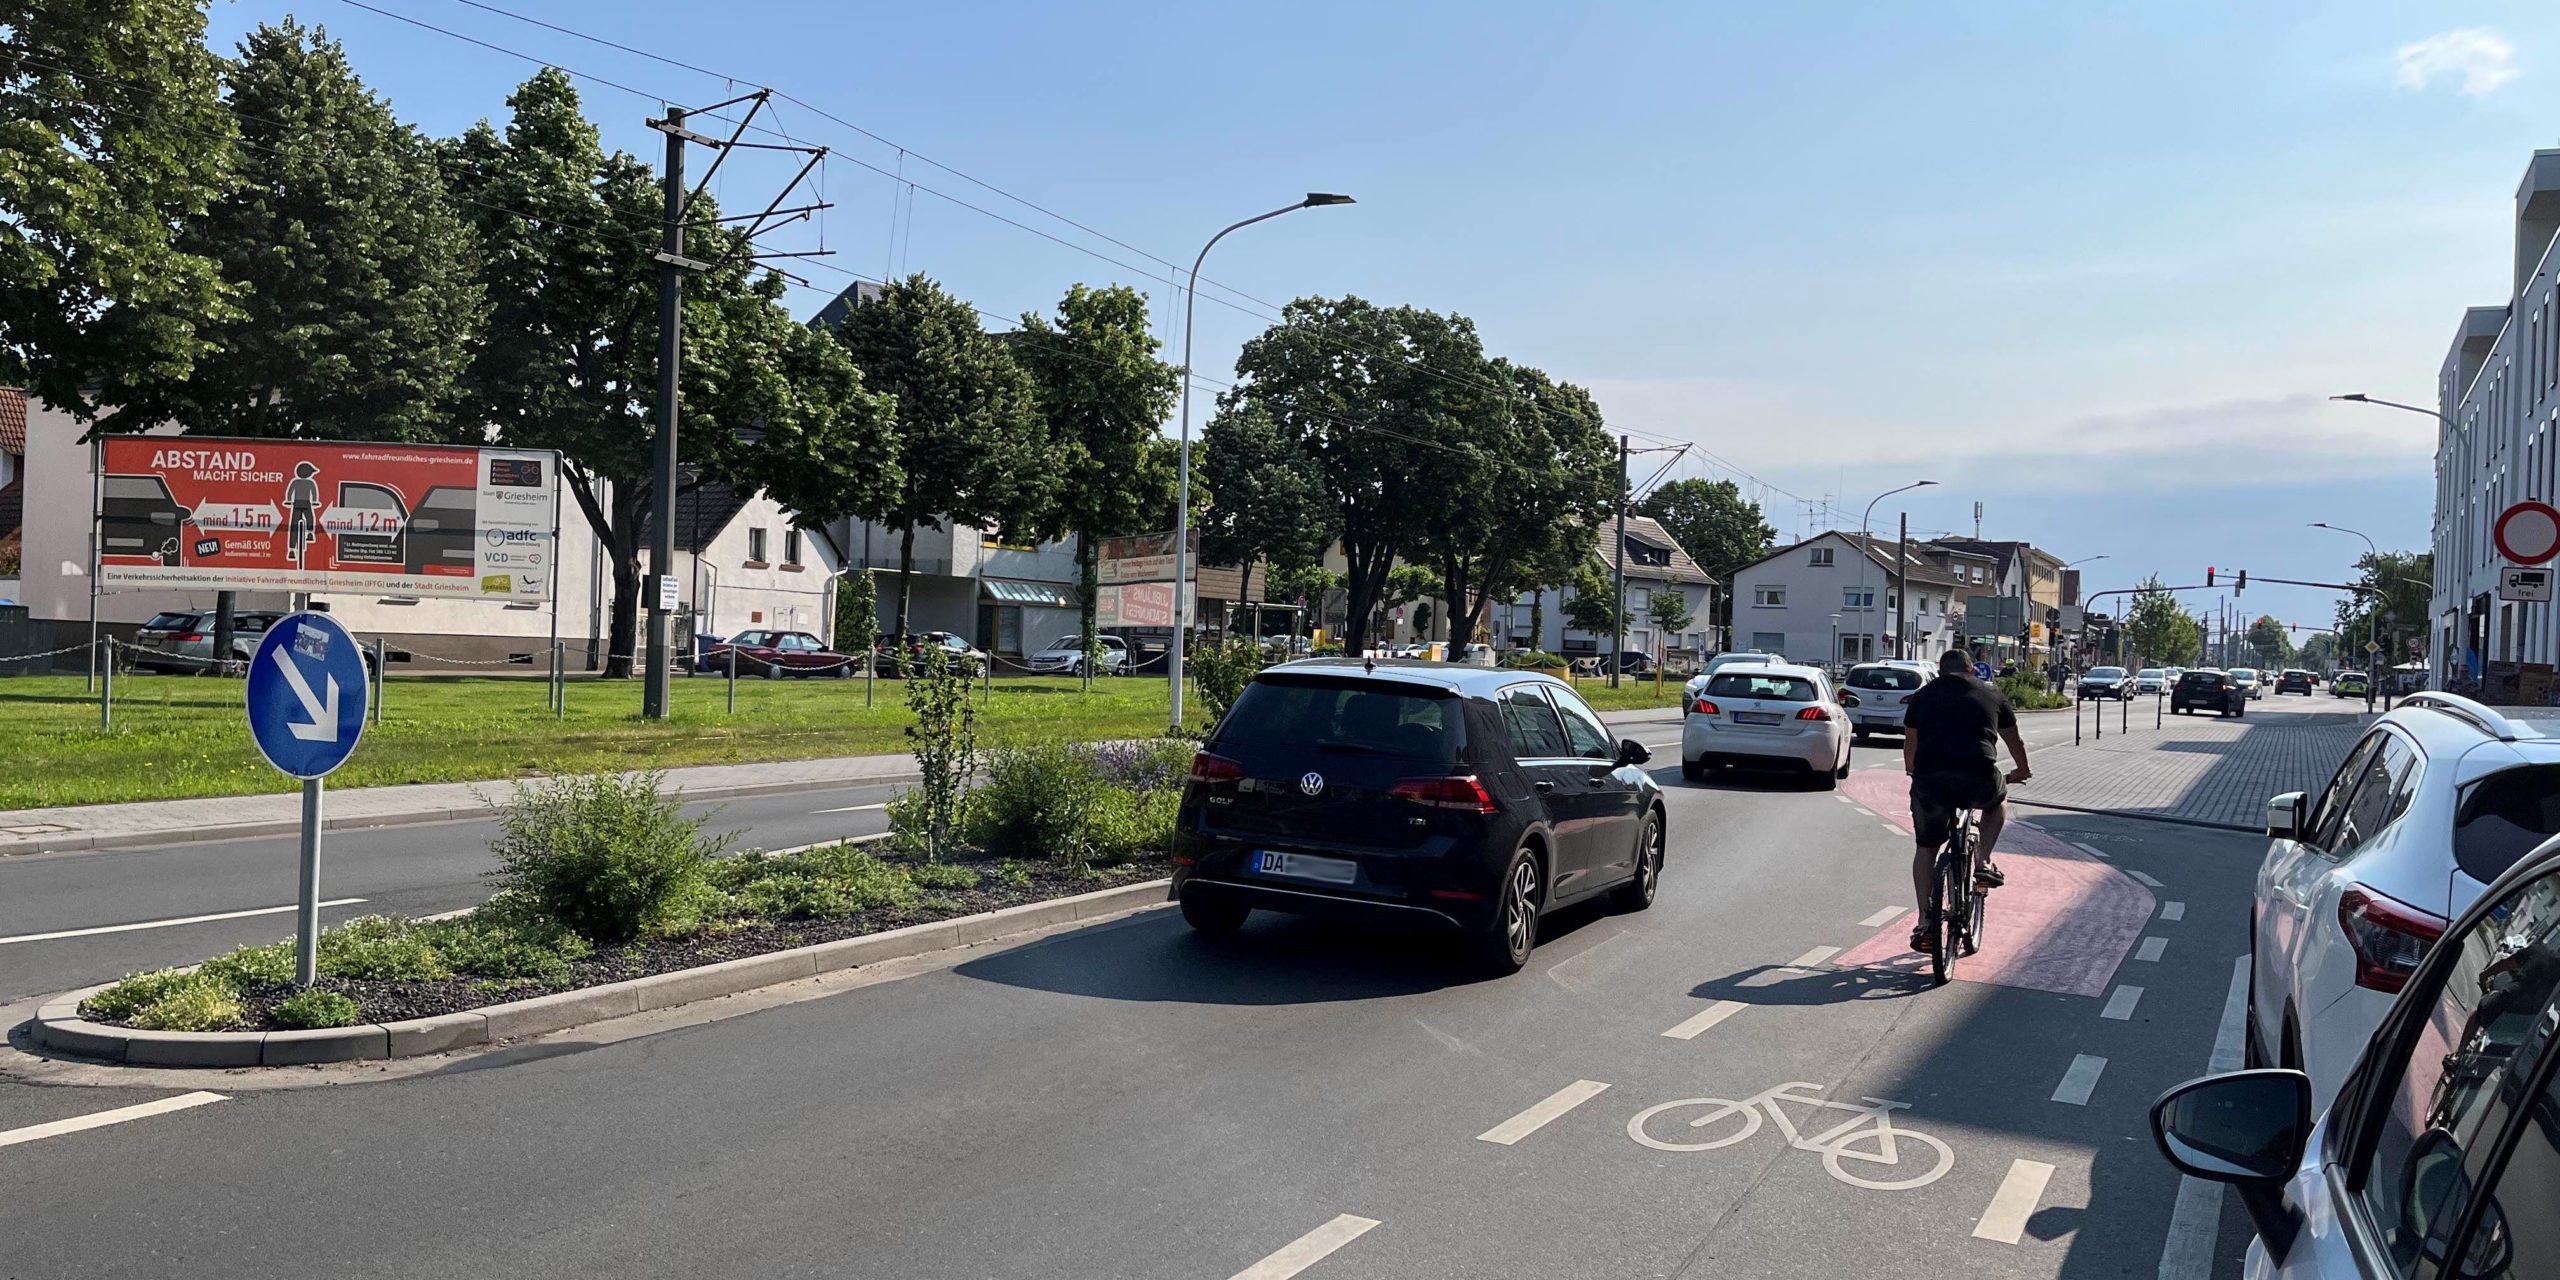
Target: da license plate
1306,867
1755,717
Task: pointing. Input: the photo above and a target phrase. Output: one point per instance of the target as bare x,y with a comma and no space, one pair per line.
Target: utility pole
1618,642
1902,587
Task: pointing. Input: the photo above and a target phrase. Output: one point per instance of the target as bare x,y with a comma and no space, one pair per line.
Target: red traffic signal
2208,575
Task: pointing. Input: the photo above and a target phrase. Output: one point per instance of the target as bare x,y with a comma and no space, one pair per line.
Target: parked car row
771,654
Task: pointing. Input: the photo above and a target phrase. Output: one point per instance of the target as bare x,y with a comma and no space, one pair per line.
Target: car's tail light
1814,713
2390,937
1463,793
192,637
1705,708
1214,768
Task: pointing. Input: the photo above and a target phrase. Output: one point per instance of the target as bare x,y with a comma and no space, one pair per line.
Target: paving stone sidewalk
2194,768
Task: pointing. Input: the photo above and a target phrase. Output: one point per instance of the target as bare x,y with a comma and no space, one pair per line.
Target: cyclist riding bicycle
1951,730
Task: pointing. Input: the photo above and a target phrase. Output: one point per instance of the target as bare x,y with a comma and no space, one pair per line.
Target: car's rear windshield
1884,678
2152,673
170,622
2503,816
2104,673
1754,684
2201,677
1356,716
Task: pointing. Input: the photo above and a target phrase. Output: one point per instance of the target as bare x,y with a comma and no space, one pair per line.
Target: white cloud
2482,57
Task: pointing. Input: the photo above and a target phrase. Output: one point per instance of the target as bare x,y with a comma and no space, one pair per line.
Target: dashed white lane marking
2006,1218
2090,849
1309,1249
1890,827
2147,881
2196,1221
169,924
2151,949
1883,915
1546,1110
1814,957
1862,808
100,1119
2120,1005
2080,1081
853,808
2173,911
1703,1019
1844,799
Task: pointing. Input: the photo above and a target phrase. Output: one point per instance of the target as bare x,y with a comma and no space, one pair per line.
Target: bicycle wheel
1868,1147
1979,904
1717,1110
1949,934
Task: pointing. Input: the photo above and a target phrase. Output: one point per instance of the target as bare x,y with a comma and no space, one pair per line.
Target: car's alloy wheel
1637,894
1514,933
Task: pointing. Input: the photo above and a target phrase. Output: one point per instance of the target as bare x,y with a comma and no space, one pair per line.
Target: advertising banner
1134,604
1140,557
304,515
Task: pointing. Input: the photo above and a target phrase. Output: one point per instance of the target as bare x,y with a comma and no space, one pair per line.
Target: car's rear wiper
1356,748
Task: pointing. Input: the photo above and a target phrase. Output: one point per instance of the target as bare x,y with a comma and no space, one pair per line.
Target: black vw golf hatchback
1455,796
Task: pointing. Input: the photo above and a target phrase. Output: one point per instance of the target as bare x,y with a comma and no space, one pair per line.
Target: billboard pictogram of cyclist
302,510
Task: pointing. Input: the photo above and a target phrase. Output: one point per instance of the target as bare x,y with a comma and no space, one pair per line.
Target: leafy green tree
112,136
857,614
2161,631
1554,475
1713,522
1104,395
1594,606
1406,583
2403,578
1669,610
971,445
2272,642
356,280
2319,650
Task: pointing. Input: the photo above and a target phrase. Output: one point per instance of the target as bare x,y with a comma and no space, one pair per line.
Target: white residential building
1656,563
1822,600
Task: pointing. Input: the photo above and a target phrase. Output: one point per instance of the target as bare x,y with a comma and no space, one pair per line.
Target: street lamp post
1182,485
2373,622
1866,556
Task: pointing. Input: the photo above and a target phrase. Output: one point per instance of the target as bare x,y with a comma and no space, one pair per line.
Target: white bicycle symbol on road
1868,1136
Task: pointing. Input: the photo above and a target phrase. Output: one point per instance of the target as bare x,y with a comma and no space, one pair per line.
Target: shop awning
1047,595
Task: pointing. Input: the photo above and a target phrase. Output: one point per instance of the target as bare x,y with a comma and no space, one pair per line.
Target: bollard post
107,687
2075,720
988,685
733,679
373,710
2157,702
870,672
560,686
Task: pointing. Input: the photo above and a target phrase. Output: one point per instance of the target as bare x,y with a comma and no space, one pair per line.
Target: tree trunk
906,579
1363,582
1538,618
622,635
224,602
1088,584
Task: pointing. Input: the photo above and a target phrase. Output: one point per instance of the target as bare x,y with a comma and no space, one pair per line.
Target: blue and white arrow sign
307,695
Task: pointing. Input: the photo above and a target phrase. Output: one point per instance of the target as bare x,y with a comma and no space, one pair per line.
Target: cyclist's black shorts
1936,798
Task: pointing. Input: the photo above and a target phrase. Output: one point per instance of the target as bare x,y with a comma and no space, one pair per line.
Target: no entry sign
2528,532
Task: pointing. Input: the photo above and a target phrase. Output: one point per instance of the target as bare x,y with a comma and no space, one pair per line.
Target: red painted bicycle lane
2063,922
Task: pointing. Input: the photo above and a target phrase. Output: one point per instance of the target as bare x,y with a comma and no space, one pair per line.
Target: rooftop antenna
1977,522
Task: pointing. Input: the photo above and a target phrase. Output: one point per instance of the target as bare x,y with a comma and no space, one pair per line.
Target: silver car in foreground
1769,715
2441,1155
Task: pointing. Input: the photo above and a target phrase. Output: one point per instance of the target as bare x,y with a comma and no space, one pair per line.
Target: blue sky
2095,266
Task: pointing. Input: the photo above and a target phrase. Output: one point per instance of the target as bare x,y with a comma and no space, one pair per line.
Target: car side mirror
1631,751
1848,699
2248,1129
2284,816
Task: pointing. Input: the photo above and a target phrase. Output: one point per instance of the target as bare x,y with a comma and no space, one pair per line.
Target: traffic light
2208,575
2242,584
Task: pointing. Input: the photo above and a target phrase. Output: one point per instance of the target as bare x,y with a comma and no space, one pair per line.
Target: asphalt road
1128,1100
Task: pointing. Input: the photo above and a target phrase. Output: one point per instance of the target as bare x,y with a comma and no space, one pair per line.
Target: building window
791,546
1638,599
1857,598
1822,557
755,545
1769,641
1768,597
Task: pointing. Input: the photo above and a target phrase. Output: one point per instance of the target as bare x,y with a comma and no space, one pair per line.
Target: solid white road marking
1547,1109
2006,1218
1309,1249
100,1119
2090,849
2197,1220
853,808
2151,949
1704,1018
2080,1081
2173,911
1814,957
1883,915
2146,880
169,924
2120,1005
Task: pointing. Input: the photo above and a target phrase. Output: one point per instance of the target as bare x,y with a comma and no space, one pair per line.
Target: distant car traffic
775,654
1769,715
2212,691
2107,682
2250,685
1882,688
2151,680
1065,656
2440,1156
2350,684
2297,680
1472,799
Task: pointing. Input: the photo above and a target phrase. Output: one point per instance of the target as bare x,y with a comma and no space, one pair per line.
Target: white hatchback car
1766,714
2151,680
1881,689
2437,799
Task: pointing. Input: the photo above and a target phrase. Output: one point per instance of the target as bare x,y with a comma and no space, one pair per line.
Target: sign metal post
307,701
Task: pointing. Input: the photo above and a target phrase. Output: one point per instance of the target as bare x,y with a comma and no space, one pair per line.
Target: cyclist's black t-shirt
1959,719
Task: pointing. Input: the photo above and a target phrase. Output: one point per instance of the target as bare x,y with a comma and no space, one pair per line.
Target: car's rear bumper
1327,905
1702,744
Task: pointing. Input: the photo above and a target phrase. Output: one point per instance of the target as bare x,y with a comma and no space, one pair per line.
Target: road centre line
1690,1028
2151,949
2090,849
171,923
2005,1220
2080,1080
1309,1249
100,1119
2147,881
2120,1005
2173,911
1812,958
1883,915
852,808
1541,1113
2196,1220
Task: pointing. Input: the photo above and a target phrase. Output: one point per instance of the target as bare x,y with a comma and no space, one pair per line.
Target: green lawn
182,736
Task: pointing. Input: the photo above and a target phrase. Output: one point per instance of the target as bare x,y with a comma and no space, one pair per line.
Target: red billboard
304,515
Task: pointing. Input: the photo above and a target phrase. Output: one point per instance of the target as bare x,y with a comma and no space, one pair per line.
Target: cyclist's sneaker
1989,876
1924,935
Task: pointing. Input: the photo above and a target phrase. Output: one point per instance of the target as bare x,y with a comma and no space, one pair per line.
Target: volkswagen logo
1311,784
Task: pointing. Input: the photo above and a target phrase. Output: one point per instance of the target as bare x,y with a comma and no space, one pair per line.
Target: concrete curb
59,1026
67,841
